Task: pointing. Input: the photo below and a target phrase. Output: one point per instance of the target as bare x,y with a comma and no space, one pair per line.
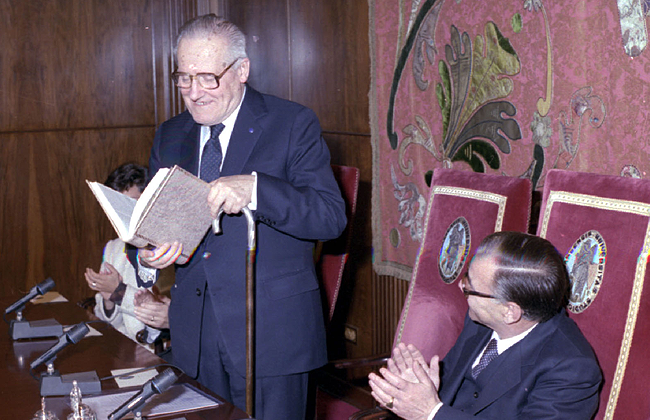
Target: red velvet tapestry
505,87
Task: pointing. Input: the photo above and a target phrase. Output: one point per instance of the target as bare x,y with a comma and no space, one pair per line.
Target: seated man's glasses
206,80
469,292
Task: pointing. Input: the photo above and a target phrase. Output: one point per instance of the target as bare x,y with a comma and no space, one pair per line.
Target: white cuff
253,204
435,410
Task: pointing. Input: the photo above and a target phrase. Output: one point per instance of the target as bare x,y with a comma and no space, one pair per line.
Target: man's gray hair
212,25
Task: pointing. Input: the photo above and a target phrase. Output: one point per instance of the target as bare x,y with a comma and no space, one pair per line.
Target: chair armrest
87,303
376,413
377,360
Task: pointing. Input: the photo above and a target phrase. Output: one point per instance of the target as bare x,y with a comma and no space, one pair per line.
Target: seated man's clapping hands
409,386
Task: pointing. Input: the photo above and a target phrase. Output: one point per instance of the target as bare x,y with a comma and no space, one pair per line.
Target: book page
117,206
148,193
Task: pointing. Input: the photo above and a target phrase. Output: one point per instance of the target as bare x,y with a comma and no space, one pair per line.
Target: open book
173,207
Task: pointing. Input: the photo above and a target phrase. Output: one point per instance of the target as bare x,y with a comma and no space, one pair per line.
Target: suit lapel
499,376
245,134
472,347
189,148
505,372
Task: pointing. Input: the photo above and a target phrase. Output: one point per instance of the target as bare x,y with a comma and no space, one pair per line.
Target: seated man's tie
489,354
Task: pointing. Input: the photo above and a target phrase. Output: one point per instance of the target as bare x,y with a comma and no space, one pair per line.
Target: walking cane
250,306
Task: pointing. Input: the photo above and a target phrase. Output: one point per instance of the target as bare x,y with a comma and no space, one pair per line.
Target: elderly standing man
519,355
266,153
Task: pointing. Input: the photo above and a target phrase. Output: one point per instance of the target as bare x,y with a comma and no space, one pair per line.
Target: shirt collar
506,343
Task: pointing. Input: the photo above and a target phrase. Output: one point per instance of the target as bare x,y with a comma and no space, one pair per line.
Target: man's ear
244,70
512,313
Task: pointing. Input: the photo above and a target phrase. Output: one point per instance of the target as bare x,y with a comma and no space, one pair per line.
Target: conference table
20,388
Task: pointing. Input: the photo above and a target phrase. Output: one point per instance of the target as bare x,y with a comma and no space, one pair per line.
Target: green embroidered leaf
493,60
488,123
443,92
503,41
459,60
517,23
473,151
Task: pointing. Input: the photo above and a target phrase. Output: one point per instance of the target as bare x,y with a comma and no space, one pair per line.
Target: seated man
519,355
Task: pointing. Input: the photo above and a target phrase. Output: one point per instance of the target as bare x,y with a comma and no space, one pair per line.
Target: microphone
75,334
156,385
41,288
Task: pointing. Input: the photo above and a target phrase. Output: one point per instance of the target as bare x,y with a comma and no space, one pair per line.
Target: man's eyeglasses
206,80
468,292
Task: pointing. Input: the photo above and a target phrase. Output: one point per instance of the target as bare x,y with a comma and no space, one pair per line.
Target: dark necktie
489,354
211,156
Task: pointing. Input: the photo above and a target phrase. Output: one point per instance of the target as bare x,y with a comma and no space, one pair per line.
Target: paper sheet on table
134,379
178,398
49,297
92,332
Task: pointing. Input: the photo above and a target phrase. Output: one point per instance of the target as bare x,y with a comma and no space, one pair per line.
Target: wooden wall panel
265,24
51,223
166,19
75,64
330,61
14,209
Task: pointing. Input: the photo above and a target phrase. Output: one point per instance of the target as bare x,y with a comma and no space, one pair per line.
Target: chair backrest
464,207
334,253
602,225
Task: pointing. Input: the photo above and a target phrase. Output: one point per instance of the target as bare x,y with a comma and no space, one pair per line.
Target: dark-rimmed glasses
468,292
206,80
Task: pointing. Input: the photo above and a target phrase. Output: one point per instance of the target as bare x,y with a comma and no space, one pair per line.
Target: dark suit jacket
298,202
550,374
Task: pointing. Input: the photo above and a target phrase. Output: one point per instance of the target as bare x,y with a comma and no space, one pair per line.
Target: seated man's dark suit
552,373
298,202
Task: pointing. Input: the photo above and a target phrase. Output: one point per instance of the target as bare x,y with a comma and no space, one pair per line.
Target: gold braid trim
624,206
497,199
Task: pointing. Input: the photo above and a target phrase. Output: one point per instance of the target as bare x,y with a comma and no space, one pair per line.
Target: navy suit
298,202
552,373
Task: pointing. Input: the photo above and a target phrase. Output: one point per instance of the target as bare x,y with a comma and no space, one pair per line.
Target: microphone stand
52,383
20,328
136,403
55,384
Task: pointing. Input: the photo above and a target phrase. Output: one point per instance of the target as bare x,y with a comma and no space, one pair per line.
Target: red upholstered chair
334,253
331,259
463,208
602,226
